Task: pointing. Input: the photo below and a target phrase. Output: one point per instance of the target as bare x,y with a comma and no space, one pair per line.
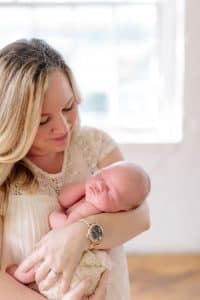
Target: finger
32,259
49,280
42,270
11,269
66,279
100,292
79,291
26,277
41,242
104,278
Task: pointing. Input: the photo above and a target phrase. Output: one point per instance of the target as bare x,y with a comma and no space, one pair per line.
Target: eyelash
43,123
64,109
68,108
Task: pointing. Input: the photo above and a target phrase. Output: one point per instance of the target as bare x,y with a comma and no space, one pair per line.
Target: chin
59,149
60,146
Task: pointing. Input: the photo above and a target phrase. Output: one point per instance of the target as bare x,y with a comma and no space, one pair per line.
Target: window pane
137,64
78,1
111,50
20,26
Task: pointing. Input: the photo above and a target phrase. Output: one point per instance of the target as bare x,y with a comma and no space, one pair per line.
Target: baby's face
102,185
108,187
116,183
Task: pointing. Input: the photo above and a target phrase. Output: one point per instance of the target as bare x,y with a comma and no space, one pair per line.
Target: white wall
175,169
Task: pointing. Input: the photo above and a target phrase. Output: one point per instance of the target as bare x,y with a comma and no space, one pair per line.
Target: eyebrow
68,101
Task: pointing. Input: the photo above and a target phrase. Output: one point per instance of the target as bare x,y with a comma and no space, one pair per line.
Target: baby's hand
16,272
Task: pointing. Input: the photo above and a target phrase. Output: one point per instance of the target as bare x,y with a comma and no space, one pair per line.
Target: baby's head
121,182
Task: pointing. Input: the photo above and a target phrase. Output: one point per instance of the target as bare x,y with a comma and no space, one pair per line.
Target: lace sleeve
107,145
96,145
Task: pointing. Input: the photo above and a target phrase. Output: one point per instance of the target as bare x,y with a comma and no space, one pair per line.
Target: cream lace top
26,217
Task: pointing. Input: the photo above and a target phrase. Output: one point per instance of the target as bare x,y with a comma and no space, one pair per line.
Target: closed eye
103,181
68,108
44,121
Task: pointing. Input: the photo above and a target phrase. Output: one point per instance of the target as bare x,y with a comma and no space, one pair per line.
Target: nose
60,126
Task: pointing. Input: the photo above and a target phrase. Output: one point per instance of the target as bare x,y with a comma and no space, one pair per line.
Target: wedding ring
54,272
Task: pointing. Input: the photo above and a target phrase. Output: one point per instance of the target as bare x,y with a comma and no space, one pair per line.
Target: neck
51,162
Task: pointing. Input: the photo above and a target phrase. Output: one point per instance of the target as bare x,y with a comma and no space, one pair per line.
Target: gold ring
54,272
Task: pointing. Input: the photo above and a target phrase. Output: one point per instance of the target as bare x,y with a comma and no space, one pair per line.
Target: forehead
117,175
58,92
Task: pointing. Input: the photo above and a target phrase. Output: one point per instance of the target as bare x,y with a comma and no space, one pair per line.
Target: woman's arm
61,249
121,227
10,288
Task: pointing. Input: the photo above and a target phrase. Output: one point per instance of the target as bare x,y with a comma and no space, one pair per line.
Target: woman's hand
80,290
57,254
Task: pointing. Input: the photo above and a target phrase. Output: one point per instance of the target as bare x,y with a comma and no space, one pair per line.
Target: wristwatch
94,233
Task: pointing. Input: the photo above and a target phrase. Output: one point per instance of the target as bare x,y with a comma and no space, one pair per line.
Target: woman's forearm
10,289
121,227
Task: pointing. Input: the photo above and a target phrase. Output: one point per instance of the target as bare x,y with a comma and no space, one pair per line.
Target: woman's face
59,114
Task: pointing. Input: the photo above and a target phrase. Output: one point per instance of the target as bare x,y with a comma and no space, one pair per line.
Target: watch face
96,233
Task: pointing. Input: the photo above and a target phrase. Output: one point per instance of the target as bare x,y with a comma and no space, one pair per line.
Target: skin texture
58,249
117,187
59,114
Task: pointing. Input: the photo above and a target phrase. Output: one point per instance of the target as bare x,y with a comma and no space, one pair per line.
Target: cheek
73,116
41,135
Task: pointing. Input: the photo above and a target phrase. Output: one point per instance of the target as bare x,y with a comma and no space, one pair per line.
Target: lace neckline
37,169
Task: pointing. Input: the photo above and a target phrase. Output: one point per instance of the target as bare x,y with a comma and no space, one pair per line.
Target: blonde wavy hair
25,66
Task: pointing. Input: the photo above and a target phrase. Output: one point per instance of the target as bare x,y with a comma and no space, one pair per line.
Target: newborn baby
117,187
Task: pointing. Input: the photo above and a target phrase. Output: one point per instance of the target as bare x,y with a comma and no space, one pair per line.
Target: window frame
170,49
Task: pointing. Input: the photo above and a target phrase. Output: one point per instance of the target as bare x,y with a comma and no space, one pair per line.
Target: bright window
127,57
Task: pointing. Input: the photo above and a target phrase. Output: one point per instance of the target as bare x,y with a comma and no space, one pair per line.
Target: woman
42,148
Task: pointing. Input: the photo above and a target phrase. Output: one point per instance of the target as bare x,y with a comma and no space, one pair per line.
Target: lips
60,138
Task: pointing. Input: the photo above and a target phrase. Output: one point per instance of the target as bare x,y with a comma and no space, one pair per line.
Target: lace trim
51,184
90,154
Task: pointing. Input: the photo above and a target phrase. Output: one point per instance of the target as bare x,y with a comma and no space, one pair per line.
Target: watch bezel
95,241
